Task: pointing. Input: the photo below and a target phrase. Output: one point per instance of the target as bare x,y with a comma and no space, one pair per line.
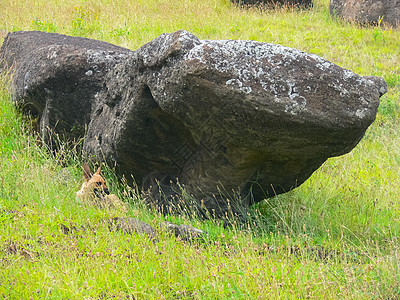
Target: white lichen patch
99,57
27,80
52,52
239,85
361,113
297,105
252,63
323,65
348,74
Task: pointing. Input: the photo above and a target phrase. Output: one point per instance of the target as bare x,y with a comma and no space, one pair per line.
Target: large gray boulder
236,120
367,11
57,77
228,117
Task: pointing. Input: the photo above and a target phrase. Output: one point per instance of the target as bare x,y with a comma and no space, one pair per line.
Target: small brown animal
94,190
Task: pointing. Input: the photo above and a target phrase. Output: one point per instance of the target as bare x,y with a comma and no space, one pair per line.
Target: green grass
334,237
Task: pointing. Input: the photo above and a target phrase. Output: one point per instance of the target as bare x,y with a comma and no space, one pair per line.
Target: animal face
94,185
94,191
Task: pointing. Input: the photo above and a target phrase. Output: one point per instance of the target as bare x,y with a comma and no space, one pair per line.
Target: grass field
334,237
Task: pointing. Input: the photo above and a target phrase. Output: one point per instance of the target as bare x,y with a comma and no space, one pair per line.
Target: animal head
94,184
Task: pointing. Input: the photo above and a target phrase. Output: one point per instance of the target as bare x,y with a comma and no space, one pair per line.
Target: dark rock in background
367,11
275,3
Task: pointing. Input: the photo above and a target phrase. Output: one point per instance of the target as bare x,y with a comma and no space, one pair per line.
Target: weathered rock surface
57,76
274,3
237,120
367,11
227,116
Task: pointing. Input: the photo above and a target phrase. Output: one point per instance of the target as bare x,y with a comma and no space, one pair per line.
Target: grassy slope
347,214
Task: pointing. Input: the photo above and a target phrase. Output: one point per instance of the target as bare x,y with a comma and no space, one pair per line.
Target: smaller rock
131,225
184,232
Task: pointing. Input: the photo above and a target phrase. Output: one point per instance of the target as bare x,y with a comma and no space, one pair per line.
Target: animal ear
98,171
87,174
